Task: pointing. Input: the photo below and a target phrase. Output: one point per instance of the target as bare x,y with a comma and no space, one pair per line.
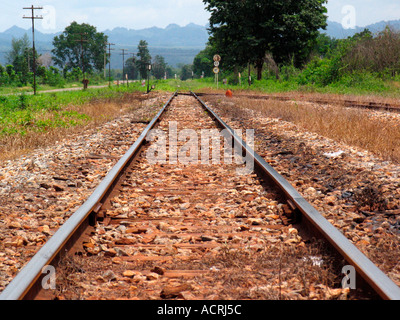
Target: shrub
380,54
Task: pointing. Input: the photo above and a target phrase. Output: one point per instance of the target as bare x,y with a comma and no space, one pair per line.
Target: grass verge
28,122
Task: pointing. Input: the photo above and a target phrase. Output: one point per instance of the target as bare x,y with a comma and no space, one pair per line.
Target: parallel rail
347,103
369,272
27,283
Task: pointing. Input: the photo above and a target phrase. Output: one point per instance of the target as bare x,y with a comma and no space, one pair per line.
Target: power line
109,63
33,17
123,64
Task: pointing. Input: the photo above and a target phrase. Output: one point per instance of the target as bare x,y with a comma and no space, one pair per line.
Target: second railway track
196,230
372,105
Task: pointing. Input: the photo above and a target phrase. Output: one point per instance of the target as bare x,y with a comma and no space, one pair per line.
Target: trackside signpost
217,59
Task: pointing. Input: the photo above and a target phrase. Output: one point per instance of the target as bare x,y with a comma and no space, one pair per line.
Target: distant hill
178,45
173,36
337,31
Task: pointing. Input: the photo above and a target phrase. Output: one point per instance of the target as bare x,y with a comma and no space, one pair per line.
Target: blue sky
139,14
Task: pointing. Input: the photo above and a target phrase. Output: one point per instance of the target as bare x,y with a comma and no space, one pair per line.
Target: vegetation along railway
180,217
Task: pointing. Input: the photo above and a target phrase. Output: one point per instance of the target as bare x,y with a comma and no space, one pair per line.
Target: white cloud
367,11
132,14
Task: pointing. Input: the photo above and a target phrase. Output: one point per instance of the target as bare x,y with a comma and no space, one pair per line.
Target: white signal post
217,59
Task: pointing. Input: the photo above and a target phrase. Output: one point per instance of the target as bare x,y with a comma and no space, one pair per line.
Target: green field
21,112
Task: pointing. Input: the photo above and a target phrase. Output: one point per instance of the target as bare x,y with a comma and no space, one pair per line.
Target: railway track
382,106
165,225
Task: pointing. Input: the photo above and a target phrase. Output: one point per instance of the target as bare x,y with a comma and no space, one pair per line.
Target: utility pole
33,17
133,65
109,62
134,57
123,64
81,40
105,61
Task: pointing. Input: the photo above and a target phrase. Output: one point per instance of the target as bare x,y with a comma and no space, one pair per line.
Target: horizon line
38,29
108,29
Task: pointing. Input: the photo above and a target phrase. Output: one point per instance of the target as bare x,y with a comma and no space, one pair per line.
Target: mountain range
178,44
336,30
175,43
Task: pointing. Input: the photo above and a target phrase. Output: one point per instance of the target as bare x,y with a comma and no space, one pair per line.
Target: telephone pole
109,62
105,61
33,17
81,40
123,64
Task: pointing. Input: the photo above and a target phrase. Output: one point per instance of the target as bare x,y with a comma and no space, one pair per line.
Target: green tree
74,75
131,69
70,52
203,62
171,72
4,77
18,48
21,57
159,67
325,45
379,54
11,72
144,58
244,31
186,72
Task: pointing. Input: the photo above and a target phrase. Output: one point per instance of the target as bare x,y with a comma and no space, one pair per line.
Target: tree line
255,32
78,52
284,41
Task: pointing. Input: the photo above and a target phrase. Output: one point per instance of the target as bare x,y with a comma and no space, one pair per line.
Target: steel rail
346,103
19,288
375,277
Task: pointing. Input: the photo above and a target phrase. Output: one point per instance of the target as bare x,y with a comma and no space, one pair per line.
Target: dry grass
311,96
354,127
281,272
278,272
